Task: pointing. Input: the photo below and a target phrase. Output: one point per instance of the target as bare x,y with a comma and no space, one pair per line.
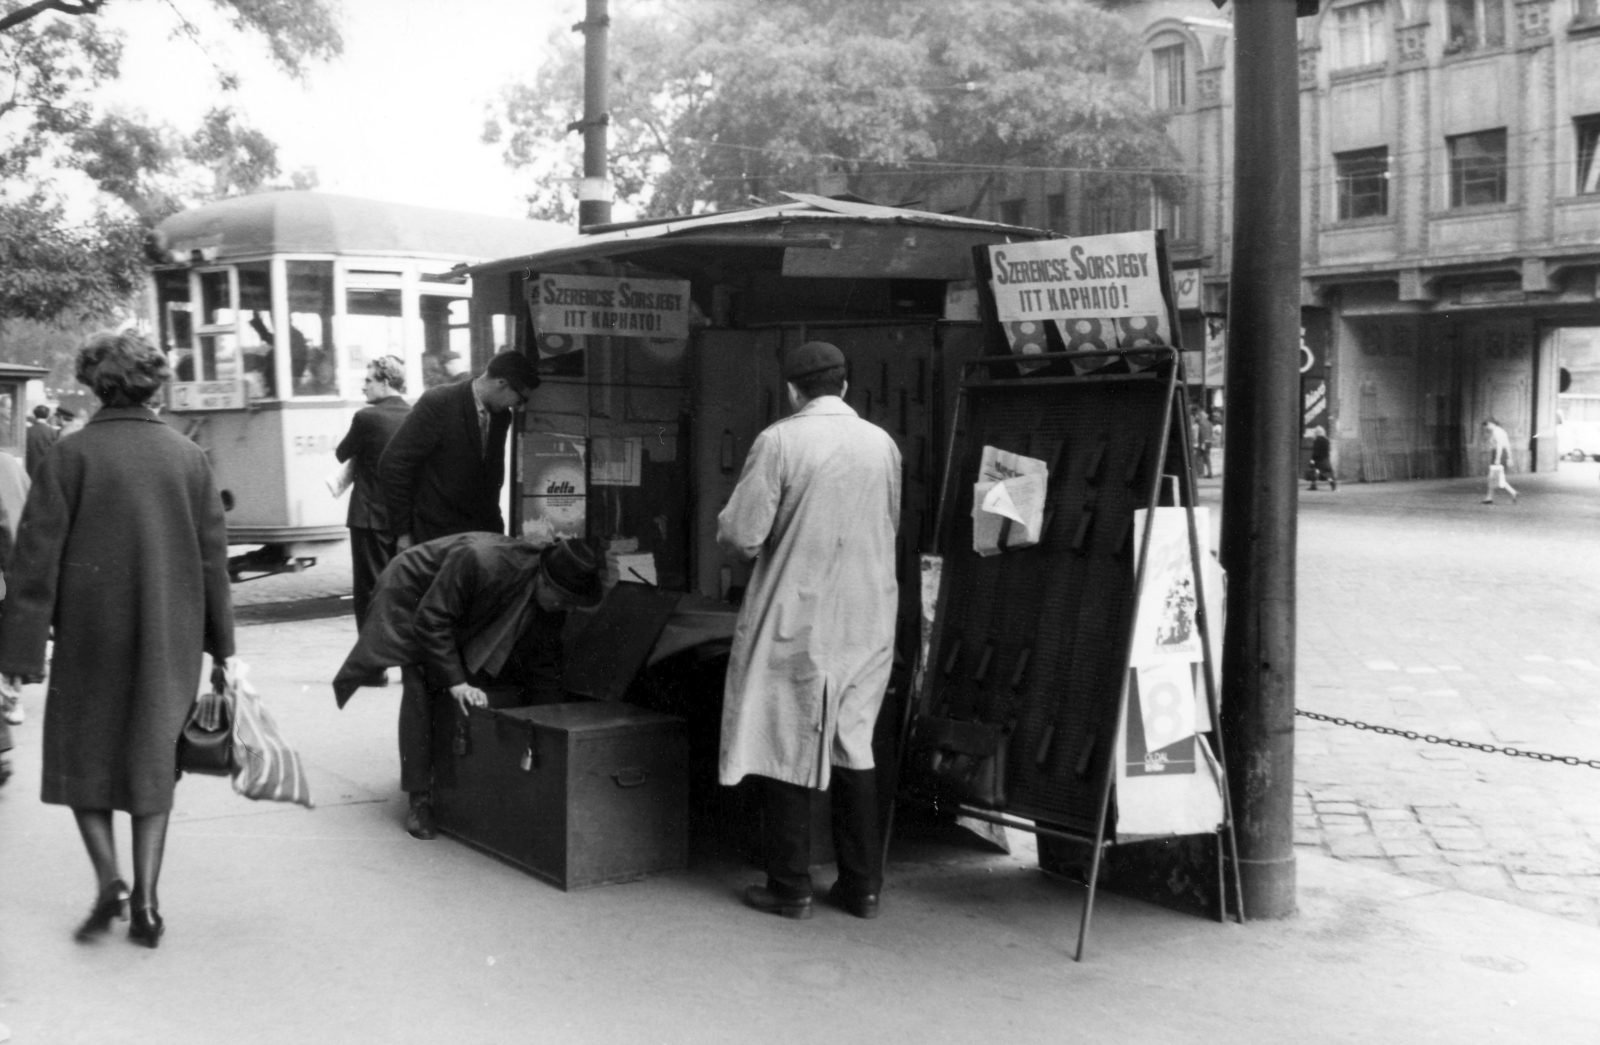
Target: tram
271,306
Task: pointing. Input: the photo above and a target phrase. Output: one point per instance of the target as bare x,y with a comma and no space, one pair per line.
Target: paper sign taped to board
1161,721
1008,501
1167,627
555,493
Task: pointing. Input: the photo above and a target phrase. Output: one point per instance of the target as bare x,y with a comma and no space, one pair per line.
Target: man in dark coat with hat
42,435
460,613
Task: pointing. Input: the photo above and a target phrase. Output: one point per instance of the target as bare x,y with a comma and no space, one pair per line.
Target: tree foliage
721,100
54,262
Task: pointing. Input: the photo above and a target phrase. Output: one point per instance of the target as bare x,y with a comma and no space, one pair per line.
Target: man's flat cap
810,358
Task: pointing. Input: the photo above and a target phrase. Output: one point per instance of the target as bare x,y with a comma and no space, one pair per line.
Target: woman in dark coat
123,552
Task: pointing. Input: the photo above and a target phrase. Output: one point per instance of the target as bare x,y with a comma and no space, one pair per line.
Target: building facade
1450,217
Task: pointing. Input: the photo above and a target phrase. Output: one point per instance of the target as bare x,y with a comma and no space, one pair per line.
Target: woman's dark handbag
206,743
965,760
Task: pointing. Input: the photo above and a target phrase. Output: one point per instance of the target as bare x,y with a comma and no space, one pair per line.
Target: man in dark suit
42,435
371,544
441,473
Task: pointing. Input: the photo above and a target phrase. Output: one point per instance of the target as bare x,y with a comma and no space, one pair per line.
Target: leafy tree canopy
54,136
720,100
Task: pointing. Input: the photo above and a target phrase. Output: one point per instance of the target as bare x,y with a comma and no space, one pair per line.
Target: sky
397,118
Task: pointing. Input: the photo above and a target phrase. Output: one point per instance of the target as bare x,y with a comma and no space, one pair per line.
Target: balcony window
1360,35
1363,181
1588,133
1168,88
1474,24
1477,168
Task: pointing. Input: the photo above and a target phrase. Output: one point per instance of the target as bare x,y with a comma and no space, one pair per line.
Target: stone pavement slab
332,925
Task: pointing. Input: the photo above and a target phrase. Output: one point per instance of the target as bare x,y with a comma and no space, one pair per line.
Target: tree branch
39,7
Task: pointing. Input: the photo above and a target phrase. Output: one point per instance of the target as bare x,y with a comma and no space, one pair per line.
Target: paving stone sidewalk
1422,609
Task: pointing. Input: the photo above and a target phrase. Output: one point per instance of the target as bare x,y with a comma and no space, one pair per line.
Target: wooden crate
580,794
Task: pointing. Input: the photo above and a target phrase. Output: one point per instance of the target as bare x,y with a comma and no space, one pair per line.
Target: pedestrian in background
1322,458
123,554
371,543
13,495
443,469
817,507
1203,438
42,435
1499,457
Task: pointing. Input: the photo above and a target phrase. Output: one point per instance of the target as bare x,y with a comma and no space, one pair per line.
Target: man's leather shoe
862,905
764,899
419,819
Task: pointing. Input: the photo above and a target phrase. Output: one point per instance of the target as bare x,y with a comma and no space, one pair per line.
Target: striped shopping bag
268,768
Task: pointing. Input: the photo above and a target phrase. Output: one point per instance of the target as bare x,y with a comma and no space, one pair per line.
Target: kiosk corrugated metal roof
301,222
804,207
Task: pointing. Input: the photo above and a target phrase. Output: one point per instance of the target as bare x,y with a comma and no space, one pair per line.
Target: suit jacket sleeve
403,458
350,445
444,606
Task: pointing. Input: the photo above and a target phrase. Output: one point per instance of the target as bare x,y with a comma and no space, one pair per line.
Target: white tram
347,280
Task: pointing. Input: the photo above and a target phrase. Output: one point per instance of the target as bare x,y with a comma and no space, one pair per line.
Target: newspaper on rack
1008,501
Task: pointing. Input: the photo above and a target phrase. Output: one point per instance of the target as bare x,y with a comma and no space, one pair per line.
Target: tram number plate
206,395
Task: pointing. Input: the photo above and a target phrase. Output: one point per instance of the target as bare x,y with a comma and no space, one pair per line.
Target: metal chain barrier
1514,752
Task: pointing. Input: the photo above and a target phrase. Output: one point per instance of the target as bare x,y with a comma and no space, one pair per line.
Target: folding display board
1022,709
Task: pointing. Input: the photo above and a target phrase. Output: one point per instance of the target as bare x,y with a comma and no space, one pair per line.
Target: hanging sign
1100,292
619,306
206,395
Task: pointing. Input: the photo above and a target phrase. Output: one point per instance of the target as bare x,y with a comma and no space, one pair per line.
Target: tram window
177,330
219,345
446,339
255,336
312,358
373,328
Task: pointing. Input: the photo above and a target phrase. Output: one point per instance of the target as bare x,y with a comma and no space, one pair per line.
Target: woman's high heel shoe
146,927
112,903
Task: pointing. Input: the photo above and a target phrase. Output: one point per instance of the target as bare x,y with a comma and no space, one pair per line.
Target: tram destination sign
618,306
206,395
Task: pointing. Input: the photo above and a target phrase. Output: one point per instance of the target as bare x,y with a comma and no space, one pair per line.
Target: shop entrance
1577,393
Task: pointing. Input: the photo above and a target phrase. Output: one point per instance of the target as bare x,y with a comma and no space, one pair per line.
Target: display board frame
1108,459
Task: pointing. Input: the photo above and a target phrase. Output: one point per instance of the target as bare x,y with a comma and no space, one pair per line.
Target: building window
1360,35
1165,214
1477,168
1586,11
1168,78
1588,128
1474,24
1363,179
1012,212
1055,206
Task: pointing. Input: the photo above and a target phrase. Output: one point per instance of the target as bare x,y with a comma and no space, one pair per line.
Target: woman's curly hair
122,369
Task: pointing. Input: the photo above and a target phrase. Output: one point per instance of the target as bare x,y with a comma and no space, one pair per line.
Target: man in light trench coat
816,507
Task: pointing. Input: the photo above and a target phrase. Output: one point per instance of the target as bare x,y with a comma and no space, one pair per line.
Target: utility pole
594,191
1260,485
